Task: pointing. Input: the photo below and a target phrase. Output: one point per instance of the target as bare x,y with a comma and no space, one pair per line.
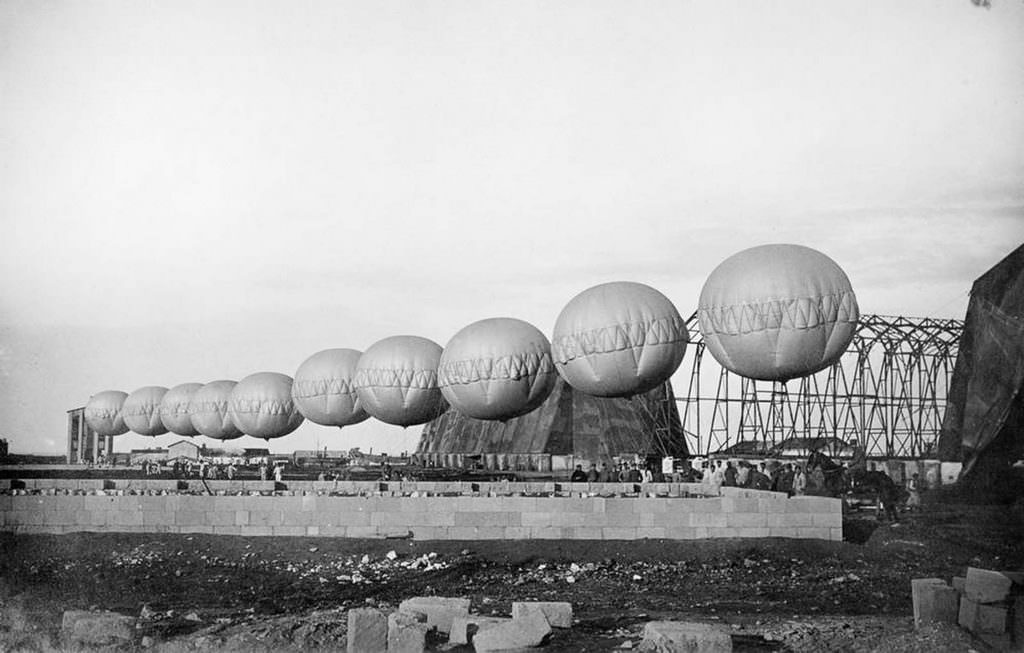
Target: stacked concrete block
934,600
989,607
685,637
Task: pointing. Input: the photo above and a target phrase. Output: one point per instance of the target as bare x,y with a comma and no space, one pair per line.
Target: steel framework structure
888,391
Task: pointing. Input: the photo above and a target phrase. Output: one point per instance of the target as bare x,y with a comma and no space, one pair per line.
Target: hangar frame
888,390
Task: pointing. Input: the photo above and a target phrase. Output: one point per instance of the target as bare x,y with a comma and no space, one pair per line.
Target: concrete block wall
488,513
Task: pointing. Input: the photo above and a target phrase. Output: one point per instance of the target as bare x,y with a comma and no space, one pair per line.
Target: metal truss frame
888,390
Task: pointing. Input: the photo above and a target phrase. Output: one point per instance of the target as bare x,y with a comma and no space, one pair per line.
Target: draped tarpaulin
569,422
985,405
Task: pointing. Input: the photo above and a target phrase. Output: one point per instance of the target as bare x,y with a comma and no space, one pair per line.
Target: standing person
202,469
799,481
263,469
604,476
578,475
278,472
647,476
742,473
592,474
914,488
231,471
817,480
729,475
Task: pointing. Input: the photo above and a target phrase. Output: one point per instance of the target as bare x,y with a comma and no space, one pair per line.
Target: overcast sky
193,191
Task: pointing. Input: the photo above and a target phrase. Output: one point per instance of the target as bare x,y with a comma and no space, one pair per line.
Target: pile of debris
988,604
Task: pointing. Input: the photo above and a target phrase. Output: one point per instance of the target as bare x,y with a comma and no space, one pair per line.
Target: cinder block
618,533
227,530
934,600
982,618
708,519
747,519
258,531
958,583
752,531
814,533
218,518
651,532
482,519
796,519
406,634
689,637
526,632
828,520
683,532
740,505
835,534
557,613
367,631
440,610
265,518
985,586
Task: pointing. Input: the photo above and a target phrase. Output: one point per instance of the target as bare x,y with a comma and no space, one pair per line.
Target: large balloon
209,411
777,312
396,380
103,412
618,340
497,368
323,390
141,410
174,409
261,405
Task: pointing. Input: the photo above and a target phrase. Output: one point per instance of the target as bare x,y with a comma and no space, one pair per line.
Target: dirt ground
290,594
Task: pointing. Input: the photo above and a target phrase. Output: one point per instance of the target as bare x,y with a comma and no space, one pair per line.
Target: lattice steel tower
888,390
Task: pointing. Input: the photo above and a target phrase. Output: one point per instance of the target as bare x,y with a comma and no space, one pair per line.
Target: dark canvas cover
983,409
568,422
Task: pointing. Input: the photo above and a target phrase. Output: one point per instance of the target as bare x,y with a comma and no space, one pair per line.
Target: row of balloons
773,312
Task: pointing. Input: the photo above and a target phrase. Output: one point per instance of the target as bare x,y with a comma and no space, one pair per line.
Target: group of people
622,473
791,478
203,469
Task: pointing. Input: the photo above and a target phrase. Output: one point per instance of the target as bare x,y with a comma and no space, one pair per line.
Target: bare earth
232,593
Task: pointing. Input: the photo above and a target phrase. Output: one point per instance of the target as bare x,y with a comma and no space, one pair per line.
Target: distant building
84,444
321,457
183,449
156,455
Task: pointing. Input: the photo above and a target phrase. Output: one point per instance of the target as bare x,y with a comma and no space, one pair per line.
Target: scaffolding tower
888,390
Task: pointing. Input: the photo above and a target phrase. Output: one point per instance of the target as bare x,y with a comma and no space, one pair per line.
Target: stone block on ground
440,610
558,613
465,628
934,600
981,618
526,632
406,634
97,628
367,631
685,637
986,586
